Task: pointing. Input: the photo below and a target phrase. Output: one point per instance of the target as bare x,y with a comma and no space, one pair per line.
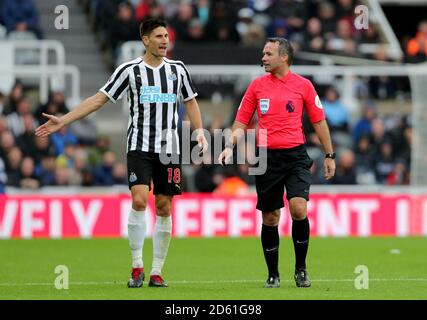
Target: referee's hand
225,156
329,168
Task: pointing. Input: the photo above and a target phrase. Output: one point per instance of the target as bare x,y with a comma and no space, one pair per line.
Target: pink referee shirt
279,104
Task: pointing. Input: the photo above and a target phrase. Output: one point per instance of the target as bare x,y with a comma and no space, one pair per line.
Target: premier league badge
264,104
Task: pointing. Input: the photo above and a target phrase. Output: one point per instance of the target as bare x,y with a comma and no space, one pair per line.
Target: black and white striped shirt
153,95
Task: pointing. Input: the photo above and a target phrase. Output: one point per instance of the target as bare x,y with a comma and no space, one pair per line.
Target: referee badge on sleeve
264,105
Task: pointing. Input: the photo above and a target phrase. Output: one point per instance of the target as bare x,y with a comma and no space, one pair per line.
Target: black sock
300,236
270,245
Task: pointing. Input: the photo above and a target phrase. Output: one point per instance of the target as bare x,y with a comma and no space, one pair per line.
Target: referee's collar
285,78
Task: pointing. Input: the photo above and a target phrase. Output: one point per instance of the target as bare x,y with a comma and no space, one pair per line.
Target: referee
279,100
154,86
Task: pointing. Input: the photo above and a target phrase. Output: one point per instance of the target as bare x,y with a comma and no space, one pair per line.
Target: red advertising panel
205,215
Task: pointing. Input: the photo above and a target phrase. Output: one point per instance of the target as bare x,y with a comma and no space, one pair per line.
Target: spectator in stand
26,141
222,22
371,34
61,138
55,105
278,28
22,16
326,14
45,170
364,125
292,11
416,49
379,134
103,174
203,11
181,21
232,185
7,142
195,32
62,176
43,148
119,174
16,119
365,161
345,173
123,28
143,9
3,124
96,152
28,178
313,36
384,162
342,41
13,167
107,13
16,94
336,113
250,33
399,175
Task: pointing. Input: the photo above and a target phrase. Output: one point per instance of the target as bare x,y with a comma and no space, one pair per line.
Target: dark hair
285,47
149,25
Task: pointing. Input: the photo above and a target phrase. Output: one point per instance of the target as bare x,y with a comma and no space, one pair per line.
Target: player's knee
139,203
163,208
271,218
298,210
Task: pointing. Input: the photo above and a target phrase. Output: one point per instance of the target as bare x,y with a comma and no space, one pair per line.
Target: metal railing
44,66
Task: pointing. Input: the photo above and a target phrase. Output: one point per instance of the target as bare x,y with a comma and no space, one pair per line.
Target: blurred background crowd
373,147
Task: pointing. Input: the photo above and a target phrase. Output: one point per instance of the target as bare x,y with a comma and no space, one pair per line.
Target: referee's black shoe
272,282
301,278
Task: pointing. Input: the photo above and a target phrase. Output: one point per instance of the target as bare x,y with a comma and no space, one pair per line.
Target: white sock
161,239
137,229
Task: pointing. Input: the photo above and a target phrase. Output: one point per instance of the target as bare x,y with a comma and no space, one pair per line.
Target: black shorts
144,166
288,168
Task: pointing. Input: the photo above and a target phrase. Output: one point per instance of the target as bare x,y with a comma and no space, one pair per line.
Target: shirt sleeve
312,104
188,91
247,106
117,84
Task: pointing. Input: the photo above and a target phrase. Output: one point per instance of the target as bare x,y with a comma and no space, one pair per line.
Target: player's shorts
146,166
288,168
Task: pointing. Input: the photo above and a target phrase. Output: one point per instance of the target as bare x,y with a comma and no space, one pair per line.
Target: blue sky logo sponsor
153,94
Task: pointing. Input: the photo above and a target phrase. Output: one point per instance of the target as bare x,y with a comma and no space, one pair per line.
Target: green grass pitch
216,268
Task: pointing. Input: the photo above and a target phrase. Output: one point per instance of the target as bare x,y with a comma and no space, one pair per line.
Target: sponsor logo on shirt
153,94
264,105
172,77
290,106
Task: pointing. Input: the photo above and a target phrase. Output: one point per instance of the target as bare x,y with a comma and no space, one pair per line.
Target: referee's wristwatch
331,155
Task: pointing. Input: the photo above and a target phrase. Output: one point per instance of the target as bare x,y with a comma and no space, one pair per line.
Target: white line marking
121,282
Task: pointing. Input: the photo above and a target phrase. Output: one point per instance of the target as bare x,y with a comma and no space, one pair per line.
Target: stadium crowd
316,26
372,149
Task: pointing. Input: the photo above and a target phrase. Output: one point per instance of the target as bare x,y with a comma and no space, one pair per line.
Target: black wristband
331,155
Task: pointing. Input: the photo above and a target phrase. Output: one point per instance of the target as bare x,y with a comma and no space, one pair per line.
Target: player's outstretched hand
225,156
329,168
51,126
